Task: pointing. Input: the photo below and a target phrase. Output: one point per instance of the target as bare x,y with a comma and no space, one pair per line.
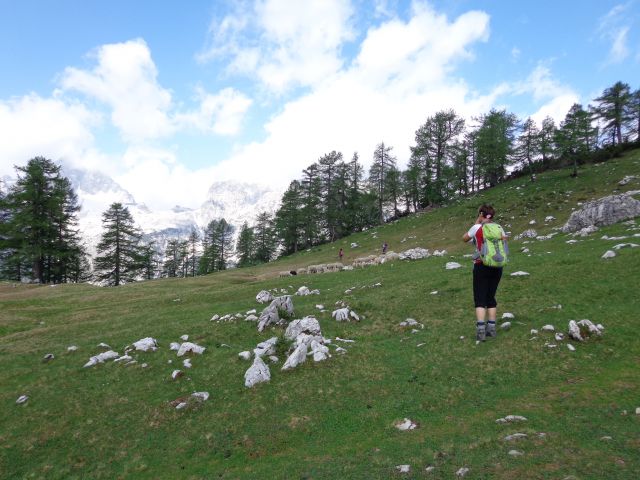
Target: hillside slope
335,419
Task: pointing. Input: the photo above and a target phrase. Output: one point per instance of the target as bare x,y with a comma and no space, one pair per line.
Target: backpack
494,250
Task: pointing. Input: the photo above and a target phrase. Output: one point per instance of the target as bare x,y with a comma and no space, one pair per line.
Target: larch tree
612,107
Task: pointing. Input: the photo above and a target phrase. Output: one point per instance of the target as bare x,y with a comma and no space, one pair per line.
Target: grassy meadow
335,419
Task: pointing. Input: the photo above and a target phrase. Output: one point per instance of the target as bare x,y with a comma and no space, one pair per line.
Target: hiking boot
481,332
491,330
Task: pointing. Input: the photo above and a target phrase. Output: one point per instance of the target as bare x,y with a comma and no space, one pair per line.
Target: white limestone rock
609,254
72,348
462,472
508,315
268,347
520,273
571,347
505,325
22,399
529,233
124,358
187,347
403,468
410,322
257,373
574,331
104,345
548,328
515,453
251,318
200,396
269,316
406,424
174,346
264,297
215,317
246,355
307,325
515,436
146,344
284,305
588,328
298,356
341,314
549,218
319,351
101,358
534,331
303,291
604,211
186,363
176,374
48,357
511,419
452,265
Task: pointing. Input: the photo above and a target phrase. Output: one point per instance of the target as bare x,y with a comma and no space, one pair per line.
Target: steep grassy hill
335,419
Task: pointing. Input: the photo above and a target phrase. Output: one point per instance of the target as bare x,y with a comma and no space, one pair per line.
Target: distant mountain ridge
236,202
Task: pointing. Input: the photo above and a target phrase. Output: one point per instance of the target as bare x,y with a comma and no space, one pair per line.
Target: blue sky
168,97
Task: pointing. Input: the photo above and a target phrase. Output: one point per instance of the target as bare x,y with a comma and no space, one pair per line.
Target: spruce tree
494,145
546,140
289,219
383,162
576,136
119,252
265,240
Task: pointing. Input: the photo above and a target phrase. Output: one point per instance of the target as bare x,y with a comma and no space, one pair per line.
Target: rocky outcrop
604,211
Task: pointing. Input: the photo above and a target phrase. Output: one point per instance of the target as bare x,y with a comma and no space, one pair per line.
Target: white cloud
286,43
51,127
614,27
156,178
125,79
515,53
402,74
221,113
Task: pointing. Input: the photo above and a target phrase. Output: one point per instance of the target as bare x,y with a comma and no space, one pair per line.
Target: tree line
333,198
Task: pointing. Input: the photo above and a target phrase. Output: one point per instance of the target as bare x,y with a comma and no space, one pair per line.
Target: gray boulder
307,325
257,373
604,211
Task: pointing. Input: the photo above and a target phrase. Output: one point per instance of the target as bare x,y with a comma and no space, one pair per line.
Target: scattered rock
505,325
269,316
101,358
22,399
214,318
72,348
410,322
534,331
403,468
430,469
146,344
414,254
48,357
104,345
548,328
606,438
435,292
604,211
530,233
452,265
190,347
308,325
571,347
462,472
559,337
624,245
609,254
181,406
515,453
549,218
264,297
268,347
626,179
251,318
515,436
298,356
124,358
508,315
184,338
200,396
511,419
519,274
174,346
345,315
186,363
405,424
176,374
257,373
246,355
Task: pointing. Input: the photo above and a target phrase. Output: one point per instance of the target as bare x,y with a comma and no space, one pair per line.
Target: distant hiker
489,258
341,254
385,245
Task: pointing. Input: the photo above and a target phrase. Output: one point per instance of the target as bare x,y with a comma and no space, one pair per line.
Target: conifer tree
223,240
527,147
311,196
546,140
193,244
40,236
494,145
245,246
576,136
119,253
265,240
613,109
289,219
383,162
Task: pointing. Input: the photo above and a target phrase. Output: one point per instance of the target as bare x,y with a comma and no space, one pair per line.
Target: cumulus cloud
220,113
285,43
51,127
614,27
402,74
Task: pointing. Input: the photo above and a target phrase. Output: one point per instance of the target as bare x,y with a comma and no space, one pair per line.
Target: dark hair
487,211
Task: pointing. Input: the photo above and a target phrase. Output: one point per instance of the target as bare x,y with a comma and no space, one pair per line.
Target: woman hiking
489,257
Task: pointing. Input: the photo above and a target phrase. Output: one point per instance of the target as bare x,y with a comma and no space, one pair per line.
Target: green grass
335,419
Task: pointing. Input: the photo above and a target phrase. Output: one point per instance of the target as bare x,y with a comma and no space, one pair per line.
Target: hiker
341,254
491,254
385,245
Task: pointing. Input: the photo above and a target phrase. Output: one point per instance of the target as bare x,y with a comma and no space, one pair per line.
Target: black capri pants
485,285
